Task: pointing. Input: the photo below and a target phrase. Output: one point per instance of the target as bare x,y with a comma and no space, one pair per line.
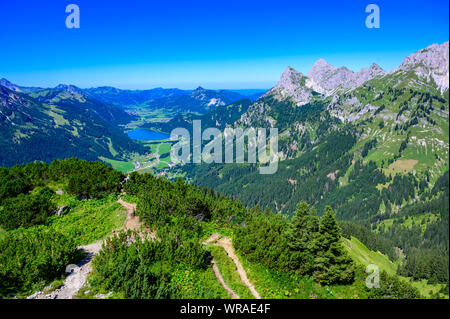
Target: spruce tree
297,237
332,263
302,237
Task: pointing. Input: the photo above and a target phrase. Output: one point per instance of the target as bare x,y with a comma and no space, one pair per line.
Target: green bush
33,256
27,210
144,270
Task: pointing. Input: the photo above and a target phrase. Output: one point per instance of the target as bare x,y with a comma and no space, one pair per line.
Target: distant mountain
9,85
69,89
69,96
57,124
129,98
253,97
252,94
200,101
219,117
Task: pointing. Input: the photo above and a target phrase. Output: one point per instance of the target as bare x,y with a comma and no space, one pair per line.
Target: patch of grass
165,159
423,220
195,284
122,166
401,166
56,284
130,198
427,290
360,253
111,147
209,228
90,220
273,284
164,148
162,165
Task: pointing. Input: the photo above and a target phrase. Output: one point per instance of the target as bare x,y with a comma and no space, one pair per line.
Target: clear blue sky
214,43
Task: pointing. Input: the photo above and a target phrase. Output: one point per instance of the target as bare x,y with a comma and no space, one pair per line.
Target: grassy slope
361,254
119,165
425,139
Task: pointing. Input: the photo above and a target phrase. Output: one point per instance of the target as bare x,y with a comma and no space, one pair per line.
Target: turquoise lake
147,135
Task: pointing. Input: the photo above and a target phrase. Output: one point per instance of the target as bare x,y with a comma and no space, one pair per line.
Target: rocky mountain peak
325,78
289,78
431,63
329,77
321,66
375,66
367,74
292,84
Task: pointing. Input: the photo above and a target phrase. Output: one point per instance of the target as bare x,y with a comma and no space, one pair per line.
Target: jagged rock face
326,78
292,84
367,74
430,63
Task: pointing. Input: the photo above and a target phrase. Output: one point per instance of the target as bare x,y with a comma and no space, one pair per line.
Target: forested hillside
306,253
219,117
372,145
51,124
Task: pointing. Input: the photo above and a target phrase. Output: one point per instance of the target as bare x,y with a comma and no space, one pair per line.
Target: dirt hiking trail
76,279
227,245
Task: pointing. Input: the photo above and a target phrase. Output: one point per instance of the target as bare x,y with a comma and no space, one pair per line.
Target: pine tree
297,238
302,236
332,263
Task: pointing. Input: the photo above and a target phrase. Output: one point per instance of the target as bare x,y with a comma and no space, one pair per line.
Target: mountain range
373,145
57,123
396,121
48,123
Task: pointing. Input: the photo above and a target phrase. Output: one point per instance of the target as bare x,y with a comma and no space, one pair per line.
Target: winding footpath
76,279
227,245
78,274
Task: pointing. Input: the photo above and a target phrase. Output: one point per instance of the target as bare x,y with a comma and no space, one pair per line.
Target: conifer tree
302,237
332,263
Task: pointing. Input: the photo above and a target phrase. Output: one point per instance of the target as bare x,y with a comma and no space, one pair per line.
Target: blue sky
216,44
